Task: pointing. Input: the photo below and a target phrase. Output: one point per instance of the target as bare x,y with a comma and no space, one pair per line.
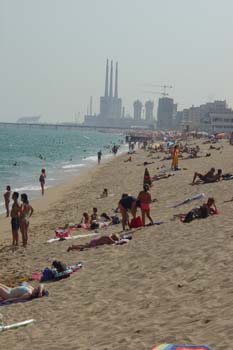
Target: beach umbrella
181,347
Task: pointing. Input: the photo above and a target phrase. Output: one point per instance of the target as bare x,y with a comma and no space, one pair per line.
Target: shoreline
57,193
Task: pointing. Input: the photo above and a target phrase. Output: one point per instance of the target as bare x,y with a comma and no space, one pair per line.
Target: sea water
62,151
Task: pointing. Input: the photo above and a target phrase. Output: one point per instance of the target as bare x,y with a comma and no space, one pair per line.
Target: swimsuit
127,202
145,206
15,223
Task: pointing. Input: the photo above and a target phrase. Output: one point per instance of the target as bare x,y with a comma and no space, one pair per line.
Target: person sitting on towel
204,177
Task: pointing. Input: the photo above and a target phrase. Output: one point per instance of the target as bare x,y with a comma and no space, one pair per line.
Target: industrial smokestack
116,81
111,80
106,80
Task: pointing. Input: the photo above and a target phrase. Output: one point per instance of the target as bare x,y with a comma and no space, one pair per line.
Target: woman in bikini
26,212
144,198
21,292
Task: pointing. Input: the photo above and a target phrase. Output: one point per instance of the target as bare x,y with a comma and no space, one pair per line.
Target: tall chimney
116,82
106,81
111,80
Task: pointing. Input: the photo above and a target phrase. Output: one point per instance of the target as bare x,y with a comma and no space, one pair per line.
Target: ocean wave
92,158
28,188
71,166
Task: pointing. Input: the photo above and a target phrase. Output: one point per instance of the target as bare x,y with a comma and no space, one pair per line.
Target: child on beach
15,223
42,180
7,196
144,198
26,212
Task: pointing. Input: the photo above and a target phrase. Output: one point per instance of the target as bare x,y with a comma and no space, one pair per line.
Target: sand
171,283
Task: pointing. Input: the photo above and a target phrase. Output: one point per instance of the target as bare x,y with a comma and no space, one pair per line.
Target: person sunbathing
214,178
21,292
204,177
202,212
161,176
103,240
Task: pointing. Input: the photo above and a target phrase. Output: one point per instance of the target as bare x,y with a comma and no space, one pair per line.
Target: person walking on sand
7,196
99,155
144,198
15,223
26,212
42,180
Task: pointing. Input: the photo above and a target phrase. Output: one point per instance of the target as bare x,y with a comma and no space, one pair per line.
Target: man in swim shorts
15,223
127,203
209,175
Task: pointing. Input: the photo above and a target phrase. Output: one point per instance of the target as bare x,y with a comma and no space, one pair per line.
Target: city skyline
52,61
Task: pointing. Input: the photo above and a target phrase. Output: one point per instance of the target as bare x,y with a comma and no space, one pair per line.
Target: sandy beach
170,283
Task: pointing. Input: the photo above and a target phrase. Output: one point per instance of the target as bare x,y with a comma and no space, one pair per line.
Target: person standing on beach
175,155
42,180
26,212
7,196
145,200
99,155
15,212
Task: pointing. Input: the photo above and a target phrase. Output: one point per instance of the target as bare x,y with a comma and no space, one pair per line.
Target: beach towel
187,200
62,233
181,347
4,327
70,237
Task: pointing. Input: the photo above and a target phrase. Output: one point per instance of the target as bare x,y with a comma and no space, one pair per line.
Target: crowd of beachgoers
130,213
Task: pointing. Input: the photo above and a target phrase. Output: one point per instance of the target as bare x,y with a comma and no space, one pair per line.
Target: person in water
26,212
127,203
42,180
7,196
21,292
99,155
144,199
96,242
15,218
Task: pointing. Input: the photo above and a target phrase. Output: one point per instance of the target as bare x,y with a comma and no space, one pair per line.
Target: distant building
211,117
166,111
110,105
149,106
137,110
111,112
29,120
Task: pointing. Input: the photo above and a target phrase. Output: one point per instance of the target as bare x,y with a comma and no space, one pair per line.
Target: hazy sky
53,53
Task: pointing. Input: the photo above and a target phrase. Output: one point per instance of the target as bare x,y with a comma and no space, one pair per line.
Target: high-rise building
110,105
165,113
149,106
137,110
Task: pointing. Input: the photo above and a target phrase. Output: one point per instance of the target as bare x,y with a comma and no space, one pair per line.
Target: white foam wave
71,166
92,158
28,188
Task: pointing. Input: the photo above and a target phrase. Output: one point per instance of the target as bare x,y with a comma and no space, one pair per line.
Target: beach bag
48,274
136,222
60,266
62,233
115,220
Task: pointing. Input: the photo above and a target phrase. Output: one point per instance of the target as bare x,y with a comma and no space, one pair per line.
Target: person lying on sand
161,176
202,212
204,177
21,292
112,239
145,163
128,160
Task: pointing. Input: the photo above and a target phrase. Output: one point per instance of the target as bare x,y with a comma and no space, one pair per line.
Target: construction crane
165,87
156,93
